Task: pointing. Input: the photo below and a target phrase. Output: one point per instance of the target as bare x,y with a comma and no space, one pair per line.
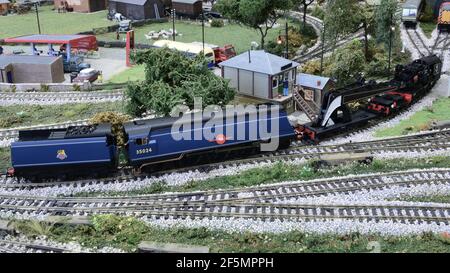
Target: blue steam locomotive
92,149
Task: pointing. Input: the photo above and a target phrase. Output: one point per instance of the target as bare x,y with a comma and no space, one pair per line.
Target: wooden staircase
301,104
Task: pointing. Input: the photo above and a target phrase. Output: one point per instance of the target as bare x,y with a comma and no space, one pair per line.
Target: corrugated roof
261,62
45,38
4,2
312,81
26,59
133,2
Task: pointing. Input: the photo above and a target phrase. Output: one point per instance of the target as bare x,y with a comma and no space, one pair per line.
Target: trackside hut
190,8
31,69
138,9
4,7
313,87
260,74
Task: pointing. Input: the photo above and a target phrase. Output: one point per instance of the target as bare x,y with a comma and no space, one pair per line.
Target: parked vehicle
87,43
213,15
221,54
87,74
189,49
124,26
75,64
444,17
411,11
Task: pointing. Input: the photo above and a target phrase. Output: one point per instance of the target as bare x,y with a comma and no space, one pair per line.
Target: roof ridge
268,60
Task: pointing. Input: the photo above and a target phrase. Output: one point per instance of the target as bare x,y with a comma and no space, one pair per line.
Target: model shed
138,9
31,69
314,87
190,8
82,5
260,74
4,7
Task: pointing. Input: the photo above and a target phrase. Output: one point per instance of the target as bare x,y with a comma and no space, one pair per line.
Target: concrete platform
68,220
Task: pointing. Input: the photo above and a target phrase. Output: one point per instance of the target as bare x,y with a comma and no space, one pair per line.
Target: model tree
346,63
385,17
342,17
261,15
173,79
304,4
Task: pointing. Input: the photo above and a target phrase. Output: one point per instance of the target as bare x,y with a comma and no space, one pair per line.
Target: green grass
284,172
4,159
135,73
428,28
435,198
239,36
52,22
26,115
126,233
419,121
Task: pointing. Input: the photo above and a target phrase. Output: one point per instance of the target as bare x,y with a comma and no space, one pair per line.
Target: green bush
172,79
378,66
427,14
217,23
318,12
10,121
44,88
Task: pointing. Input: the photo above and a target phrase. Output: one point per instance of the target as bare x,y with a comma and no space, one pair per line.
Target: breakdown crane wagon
410,83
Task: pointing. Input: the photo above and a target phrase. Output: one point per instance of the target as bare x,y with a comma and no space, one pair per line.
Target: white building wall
261,85
232,75
245,82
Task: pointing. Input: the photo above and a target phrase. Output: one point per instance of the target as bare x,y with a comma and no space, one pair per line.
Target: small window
142,141
275,83
309,95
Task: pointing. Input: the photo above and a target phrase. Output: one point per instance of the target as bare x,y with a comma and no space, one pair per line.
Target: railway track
51,98
271,212
317,52
437,214
279,192
14,132
416,39
9,246
434,141
425,142
263,193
